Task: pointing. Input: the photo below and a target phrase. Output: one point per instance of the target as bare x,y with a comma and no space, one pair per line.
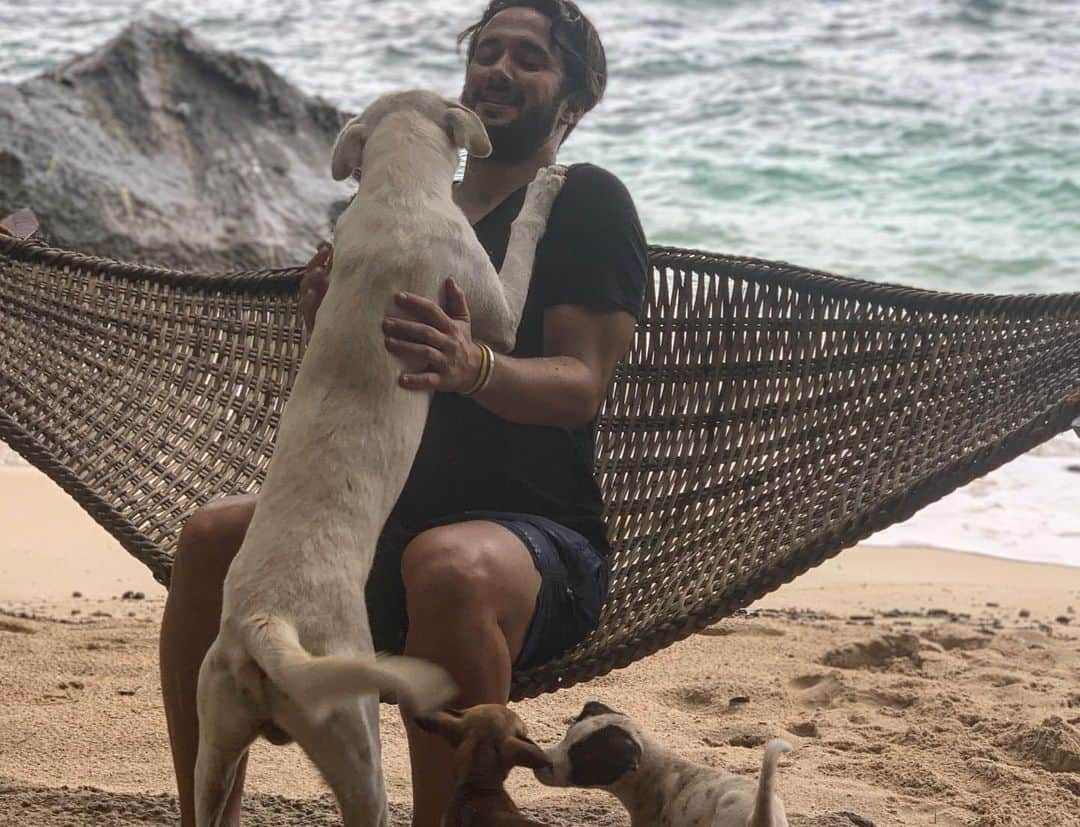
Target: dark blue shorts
573,585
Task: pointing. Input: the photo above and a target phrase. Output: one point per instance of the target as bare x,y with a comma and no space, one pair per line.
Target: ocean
932,143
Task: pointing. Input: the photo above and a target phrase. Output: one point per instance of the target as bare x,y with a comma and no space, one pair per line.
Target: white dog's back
295,646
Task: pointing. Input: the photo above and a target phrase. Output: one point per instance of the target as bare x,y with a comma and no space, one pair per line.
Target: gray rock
158,148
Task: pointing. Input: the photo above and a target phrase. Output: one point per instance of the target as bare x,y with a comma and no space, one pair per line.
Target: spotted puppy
607,749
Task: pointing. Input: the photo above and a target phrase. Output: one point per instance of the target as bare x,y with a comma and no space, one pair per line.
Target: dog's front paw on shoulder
545,187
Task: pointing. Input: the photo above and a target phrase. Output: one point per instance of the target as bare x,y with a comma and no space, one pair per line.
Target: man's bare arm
565,387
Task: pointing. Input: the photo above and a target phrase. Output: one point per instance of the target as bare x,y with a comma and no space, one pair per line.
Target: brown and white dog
489,740
607,749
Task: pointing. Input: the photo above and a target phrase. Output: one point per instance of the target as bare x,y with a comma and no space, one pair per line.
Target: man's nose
503,69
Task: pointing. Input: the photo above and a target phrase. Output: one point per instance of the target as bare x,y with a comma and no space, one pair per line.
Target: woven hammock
767,417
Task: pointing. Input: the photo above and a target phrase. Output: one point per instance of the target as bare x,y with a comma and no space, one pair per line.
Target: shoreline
943,525
883,545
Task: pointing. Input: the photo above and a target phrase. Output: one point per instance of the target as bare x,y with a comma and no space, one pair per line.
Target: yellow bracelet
490,368
482,373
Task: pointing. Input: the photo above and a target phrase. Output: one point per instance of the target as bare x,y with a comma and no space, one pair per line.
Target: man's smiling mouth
498,98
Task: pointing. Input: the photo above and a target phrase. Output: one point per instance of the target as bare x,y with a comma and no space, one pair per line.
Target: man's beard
519,139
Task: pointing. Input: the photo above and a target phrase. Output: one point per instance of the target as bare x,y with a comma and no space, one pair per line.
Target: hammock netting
767,417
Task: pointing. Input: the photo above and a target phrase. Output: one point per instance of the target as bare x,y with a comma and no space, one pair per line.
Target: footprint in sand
950,638
805,729
841,819
809,681
997,678
823,690
888,698
1054,745
876,652
715,697
16,628
818,689
693,697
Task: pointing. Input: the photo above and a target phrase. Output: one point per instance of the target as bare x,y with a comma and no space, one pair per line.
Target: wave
1026,510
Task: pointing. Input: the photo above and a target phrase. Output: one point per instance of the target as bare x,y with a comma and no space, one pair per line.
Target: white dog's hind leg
497,307
226,729
345,749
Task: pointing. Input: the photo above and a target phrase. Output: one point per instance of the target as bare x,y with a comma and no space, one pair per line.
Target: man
495,557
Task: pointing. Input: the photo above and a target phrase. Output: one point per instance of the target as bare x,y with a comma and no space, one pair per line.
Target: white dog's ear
467,130
348,149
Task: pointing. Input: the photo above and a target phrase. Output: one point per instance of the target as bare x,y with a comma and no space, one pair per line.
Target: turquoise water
926,142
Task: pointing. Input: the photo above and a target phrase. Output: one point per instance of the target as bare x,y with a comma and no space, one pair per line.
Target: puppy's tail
317,684
763,802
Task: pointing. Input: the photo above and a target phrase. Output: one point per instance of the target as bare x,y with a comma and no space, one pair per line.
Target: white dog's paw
544,189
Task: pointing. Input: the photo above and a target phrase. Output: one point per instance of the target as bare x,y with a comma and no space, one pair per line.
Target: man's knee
210,537
439,570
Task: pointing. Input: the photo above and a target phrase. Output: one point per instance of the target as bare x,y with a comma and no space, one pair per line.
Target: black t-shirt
593,255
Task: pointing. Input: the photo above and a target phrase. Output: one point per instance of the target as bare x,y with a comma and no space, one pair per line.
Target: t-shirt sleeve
594,252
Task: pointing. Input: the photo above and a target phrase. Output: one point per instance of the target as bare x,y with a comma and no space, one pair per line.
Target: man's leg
470,591
208,543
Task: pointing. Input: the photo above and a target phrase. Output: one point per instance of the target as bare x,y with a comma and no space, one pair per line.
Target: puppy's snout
554,771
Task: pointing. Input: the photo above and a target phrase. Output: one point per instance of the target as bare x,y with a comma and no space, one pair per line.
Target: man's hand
314,283
439,340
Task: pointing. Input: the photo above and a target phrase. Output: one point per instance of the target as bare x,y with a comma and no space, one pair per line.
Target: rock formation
158,148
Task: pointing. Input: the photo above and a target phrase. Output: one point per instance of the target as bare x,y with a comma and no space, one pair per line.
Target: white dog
294,651
604,748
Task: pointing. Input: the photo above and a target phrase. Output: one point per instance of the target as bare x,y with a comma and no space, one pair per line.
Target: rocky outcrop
159,148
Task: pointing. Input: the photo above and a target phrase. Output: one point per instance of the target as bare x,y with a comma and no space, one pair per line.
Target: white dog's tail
763,803
317,684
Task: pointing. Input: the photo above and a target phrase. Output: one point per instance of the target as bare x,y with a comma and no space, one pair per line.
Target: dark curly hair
575,37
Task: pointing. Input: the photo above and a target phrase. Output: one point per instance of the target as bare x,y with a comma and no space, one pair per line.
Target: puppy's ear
448,723
593,708
467,130
524,753
348,149
603,758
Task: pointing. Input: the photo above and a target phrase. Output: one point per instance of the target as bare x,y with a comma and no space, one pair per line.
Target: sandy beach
918,687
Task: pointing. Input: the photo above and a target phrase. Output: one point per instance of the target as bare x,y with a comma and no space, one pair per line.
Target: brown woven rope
768,416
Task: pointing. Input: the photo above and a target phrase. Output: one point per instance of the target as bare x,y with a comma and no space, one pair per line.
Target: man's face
513,83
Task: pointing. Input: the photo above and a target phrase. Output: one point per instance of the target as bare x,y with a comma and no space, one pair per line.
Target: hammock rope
767,417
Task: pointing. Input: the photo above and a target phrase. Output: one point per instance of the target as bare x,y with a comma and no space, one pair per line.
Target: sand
918,687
